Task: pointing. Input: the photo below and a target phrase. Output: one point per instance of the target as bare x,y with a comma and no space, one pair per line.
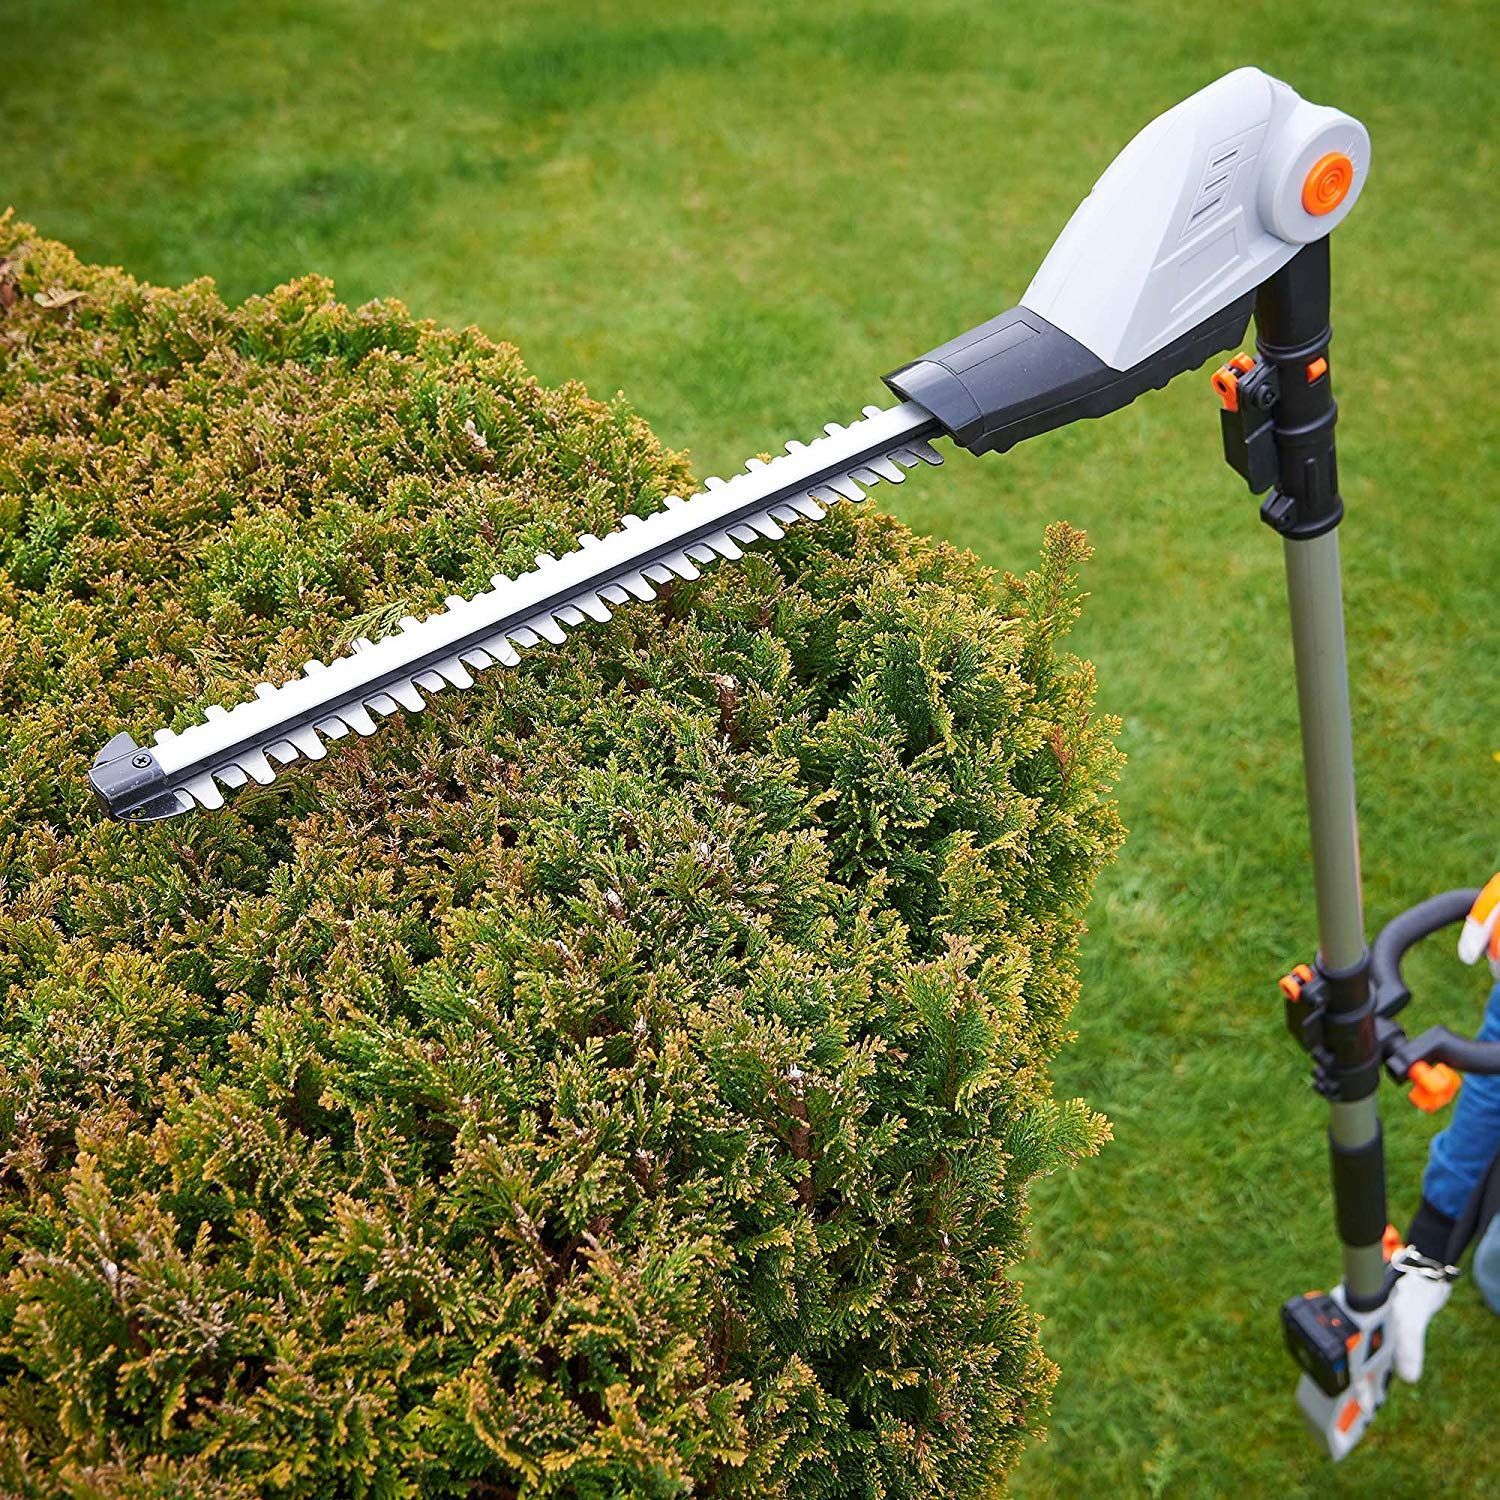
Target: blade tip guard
129,785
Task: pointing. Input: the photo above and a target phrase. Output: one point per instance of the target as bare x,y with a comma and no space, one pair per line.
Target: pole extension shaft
1304,505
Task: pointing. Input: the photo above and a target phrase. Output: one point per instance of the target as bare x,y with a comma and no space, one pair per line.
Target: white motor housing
1210,199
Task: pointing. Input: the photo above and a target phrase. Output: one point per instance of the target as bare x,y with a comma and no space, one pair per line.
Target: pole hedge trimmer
1220,208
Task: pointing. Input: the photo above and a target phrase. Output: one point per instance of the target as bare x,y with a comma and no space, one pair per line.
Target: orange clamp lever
1226,380
1433,1085
1291,984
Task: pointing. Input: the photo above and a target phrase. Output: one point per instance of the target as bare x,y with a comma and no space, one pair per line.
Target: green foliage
621,1079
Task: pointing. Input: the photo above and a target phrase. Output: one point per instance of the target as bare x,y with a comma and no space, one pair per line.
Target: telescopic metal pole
1314,593
1292,328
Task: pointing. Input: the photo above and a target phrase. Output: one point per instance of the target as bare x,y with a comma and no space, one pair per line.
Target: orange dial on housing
1327,184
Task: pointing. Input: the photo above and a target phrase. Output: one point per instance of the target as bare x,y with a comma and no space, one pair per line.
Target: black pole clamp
1278,411
1332,1015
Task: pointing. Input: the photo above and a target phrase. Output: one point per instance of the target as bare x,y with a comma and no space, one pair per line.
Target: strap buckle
1409,1261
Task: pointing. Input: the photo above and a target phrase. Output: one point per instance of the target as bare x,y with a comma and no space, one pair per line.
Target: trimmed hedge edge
623,1078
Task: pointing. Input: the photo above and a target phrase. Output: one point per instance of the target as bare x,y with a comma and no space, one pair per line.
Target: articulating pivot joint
1278,411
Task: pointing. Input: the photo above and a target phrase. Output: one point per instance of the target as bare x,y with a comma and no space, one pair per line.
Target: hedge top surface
624,1077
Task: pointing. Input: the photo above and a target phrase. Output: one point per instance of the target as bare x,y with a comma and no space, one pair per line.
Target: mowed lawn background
741,216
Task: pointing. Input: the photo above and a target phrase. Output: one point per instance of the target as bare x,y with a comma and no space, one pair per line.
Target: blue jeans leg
1462,1153
1487,1265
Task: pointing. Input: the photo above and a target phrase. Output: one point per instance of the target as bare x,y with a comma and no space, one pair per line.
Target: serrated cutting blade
188,768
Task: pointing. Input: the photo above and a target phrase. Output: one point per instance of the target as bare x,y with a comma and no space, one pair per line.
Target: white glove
1418,1296
1481,934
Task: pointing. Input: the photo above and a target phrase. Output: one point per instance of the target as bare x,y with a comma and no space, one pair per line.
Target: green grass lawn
741,216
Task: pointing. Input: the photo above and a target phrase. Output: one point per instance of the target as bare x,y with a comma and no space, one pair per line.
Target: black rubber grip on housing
1018,375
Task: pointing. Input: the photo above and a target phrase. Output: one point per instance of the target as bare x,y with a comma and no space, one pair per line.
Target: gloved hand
1481,932
1418,1296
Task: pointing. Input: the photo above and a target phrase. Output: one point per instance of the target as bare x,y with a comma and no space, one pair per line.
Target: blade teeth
203,790
917,452
545,627
766,527
455,672
357,717
255,765
593,606
597,602
307,741
504,652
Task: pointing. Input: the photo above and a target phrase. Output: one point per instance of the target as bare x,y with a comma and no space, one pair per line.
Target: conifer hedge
623,1078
